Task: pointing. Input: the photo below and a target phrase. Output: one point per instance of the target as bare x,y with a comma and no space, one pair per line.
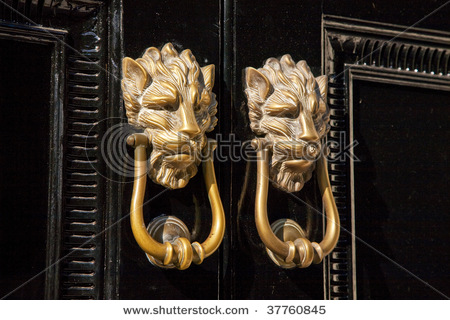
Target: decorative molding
384,46
81,86
40,11
31,33
54,38
375,52
114,113
338,272
82,269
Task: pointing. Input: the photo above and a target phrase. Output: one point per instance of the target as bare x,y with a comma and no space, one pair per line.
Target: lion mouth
180,158
291,175
180,154
299,165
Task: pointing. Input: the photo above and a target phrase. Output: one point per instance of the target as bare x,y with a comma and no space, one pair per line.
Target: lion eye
197,107
285,113
170,107
315,116
166,107
282,110
291,114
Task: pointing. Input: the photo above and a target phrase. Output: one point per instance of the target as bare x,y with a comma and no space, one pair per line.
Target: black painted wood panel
400,202
260,31
194,26
400,58
89,205
25,121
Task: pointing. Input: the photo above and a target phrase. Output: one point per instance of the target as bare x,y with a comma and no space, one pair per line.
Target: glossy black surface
400,192
25,137
431,14
261,31
94,200
187,25
234,35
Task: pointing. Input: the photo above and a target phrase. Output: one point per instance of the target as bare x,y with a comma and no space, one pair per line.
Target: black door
389,80
231,35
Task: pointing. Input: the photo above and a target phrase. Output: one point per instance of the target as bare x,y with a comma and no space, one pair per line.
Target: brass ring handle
288,111
300,251
169,96
181,252
333,227
217,232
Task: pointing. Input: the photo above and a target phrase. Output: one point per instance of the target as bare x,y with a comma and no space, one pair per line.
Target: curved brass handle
170,96
180,252
295,249
287,109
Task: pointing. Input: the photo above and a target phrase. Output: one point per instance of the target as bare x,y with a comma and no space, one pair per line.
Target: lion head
287,106
169,96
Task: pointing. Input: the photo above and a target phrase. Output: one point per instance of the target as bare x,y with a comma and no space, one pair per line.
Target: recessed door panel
400,199
25,137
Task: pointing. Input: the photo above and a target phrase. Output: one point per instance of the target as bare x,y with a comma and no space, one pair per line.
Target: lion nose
188,122
309,133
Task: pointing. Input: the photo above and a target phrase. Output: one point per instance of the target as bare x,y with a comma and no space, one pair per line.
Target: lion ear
208,75
135,72
322,81
256,80
168,52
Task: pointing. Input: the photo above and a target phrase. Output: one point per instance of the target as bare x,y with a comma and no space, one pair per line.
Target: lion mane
159,89
274,99
287,106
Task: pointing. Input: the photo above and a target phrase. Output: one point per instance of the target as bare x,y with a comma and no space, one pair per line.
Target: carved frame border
356,49
84,212
54,38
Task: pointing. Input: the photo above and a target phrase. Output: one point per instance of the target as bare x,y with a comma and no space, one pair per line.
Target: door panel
90,250
395,212
25,116
75,77
233,36
226,34
383,97
279,29
187,26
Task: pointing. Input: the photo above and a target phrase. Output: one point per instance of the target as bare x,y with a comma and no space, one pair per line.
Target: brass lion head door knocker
169,97
288,112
